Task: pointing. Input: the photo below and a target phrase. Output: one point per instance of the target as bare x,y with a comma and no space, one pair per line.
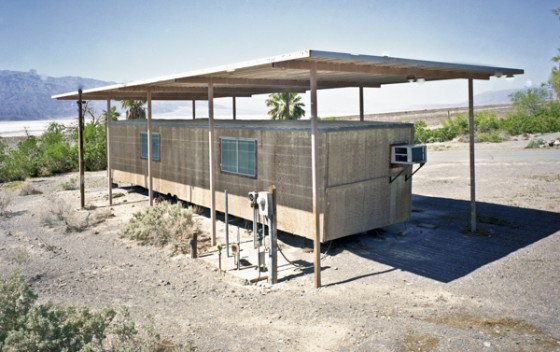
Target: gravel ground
420,286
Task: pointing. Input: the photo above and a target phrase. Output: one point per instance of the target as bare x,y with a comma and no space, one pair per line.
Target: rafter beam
416,72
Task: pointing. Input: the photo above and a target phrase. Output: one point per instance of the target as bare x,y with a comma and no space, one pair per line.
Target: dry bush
60,213
163,224
27,189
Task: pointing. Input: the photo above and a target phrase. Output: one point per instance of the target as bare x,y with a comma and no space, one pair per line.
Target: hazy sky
128,40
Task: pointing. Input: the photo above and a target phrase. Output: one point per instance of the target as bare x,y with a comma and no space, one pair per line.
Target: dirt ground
425,285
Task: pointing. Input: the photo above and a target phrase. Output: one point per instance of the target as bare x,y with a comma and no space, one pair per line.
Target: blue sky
122,40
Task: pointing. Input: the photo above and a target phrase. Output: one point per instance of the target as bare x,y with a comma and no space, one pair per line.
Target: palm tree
113,113
278,110
134,109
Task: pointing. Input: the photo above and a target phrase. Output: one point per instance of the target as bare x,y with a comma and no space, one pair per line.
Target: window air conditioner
408,154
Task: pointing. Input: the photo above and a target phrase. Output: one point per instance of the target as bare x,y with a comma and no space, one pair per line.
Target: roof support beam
211,160
416,72
471,156
316,223
150,179
194,109
108,118
276,83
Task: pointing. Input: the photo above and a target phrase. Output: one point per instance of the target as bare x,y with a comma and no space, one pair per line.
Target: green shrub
535,143
28,326
163,224
95,157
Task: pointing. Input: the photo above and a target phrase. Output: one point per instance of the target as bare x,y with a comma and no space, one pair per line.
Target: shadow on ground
434,243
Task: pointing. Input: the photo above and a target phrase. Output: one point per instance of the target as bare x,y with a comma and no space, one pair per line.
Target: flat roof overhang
290,73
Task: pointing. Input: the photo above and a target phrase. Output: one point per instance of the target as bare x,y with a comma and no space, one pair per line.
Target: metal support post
81,148
471,156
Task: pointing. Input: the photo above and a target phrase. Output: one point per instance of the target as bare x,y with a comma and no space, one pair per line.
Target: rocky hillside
27,95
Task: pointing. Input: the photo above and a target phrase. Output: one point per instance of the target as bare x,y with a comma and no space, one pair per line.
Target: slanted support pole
108,135
316,224
211,161
150,180
234,108
81,148
361,103
194,109
471,156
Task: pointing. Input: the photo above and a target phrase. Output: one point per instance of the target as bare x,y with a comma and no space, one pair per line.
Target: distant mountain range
27,95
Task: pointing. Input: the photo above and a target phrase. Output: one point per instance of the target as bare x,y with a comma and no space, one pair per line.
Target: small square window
144,145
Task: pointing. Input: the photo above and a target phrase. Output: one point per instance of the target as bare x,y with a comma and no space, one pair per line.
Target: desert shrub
46,155
535,111
95,157
69,185
54,151
60,213
28,326
162,224
535,143
491,137
27,189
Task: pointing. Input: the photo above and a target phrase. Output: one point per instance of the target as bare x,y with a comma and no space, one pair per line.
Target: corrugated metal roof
290,73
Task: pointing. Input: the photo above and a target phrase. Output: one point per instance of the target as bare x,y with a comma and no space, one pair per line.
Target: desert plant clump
28,326
69,185
27,189
163,224
61,214
535,143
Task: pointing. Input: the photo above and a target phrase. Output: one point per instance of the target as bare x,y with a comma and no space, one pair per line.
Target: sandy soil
419,286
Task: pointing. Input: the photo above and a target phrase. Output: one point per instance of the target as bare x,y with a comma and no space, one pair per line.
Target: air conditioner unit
408,154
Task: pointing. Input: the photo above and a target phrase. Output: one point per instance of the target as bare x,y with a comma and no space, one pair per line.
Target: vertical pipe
273,245
255,228
194,109
150,180
234,108
108,135
238,254
81,148
226,222
211,159
471,156
316,224
361,103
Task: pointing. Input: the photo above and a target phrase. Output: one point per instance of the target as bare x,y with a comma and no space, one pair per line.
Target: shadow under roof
290,73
